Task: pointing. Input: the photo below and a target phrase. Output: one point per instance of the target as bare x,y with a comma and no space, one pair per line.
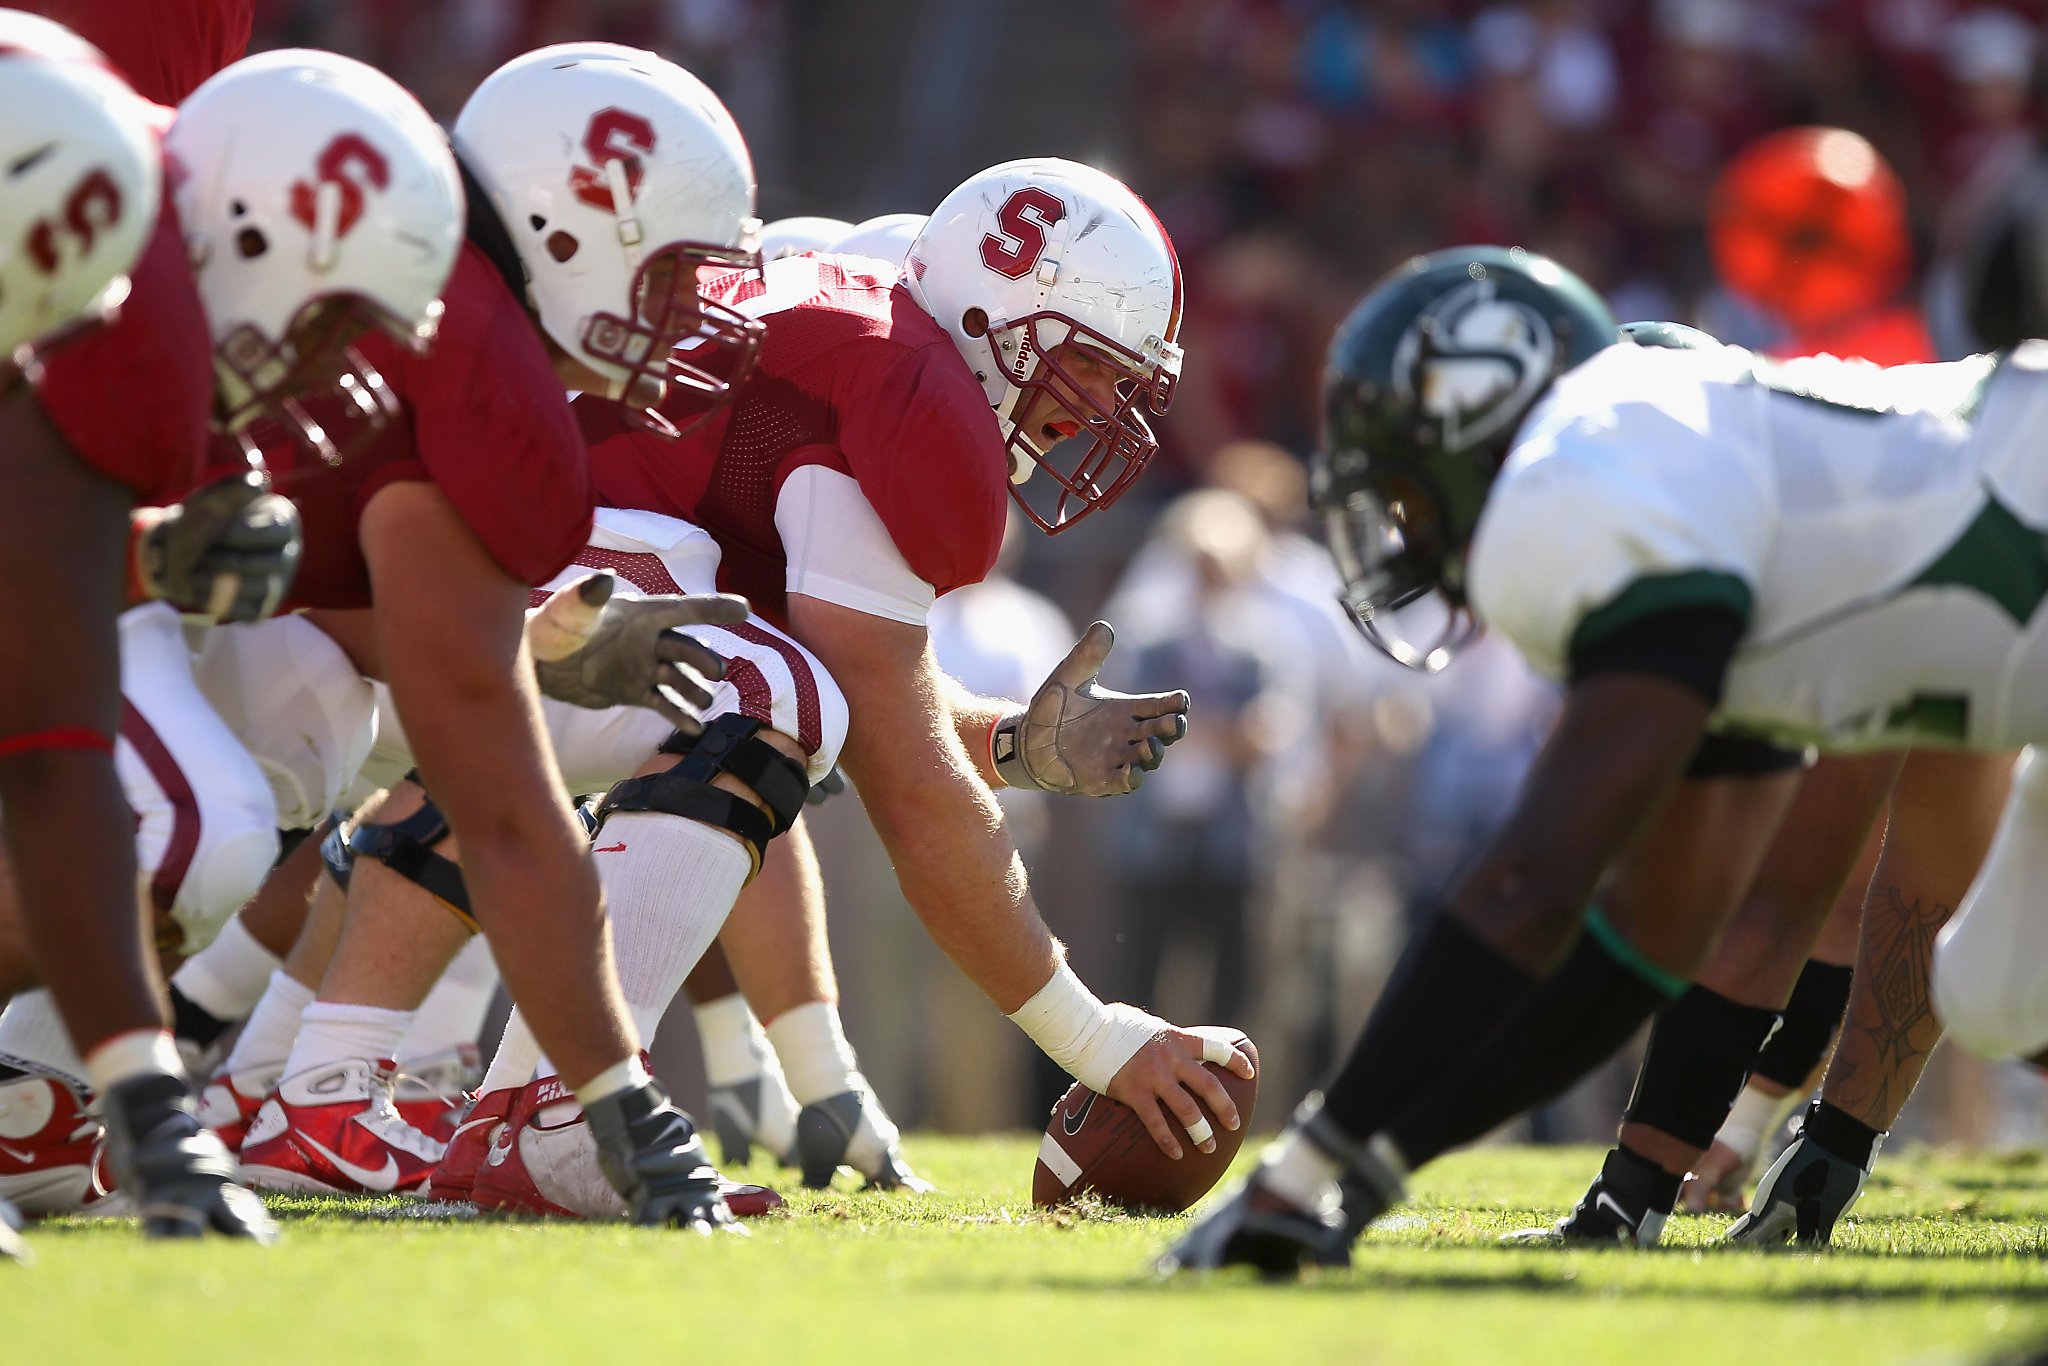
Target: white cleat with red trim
470,1144
543,1161
334,1130
52,1150
227,1108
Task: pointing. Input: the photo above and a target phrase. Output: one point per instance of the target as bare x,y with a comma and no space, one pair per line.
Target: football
1099,1146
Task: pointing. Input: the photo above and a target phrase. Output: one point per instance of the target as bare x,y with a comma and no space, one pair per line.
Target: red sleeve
164,47
493,430
133,398
925,448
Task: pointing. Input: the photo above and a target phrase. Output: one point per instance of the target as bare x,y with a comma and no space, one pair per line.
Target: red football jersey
164,47
133,397
853,375
483,417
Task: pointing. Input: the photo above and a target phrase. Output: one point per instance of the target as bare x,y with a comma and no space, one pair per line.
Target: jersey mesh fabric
854,376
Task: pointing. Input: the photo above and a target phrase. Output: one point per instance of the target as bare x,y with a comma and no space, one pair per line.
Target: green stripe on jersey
1655,594
1999,556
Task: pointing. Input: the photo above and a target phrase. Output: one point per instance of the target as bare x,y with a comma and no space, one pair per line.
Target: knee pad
406,847
730,744
226,870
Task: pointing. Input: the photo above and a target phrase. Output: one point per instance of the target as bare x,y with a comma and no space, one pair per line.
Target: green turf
1946,1259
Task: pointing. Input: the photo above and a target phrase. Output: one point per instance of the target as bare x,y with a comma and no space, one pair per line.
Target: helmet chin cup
269,384
672,340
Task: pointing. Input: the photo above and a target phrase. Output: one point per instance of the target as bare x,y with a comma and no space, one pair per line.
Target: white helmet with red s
80,178
1028,262
620,176
318,200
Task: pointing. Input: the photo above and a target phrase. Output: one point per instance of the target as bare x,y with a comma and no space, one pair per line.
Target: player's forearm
974,717
957,865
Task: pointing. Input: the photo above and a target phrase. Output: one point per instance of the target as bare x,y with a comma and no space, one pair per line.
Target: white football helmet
805,232
1034,255
317,200
620,178
80,183
886,237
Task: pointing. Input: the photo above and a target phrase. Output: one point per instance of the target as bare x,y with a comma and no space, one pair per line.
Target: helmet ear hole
562,245
250,243
536,222
974,323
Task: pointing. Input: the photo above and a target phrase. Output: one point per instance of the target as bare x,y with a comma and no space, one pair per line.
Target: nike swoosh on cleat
1606,1202
380,1180
618,848
25,1158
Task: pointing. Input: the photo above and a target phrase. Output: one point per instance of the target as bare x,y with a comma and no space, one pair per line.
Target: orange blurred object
1810,223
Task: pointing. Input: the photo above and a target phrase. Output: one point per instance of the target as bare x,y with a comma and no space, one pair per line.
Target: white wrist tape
1091,1040
1756,1112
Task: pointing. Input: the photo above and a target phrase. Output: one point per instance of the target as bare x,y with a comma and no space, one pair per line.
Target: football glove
650,1152
1078,738
176,1174
228,551
596,651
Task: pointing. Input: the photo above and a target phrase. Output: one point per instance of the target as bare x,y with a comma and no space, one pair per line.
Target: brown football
1098,1145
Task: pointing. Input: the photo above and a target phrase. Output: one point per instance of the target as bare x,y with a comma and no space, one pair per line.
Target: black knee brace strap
406,847
729,744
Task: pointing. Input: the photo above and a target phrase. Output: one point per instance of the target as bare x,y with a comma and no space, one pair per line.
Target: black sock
1446,994
194,1023
1818,1000
1640,1181
1701,1050
1571,1022
1841,1133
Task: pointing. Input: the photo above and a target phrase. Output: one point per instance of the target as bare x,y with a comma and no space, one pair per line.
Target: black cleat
1627,1205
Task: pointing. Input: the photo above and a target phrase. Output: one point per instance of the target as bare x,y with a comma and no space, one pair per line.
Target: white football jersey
1880,530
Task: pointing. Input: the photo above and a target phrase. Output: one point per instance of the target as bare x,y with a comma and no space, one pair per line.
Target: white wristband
1091,1040
1756,1112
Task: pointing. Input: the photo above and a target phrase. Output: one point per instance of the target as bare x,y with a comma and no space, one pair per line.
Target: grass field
1946,1260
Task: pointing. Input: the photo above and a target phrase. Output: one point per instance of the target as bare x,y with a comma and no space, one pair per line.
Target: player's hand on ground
228,551
1163,1079
649,1151
1717,1184
178,1176
1080,739
597,651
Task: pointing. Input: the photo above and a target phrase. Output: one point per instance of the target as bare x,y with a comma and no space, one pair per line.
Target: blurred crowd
1295,149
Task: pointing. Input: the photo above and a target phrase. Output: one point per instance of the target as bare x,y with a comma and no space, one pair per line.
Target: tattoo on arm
1890,1029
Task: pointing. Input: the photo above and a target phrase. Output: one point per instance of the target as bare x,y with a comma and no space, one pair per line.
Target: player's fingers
1150,752
685,723
1224,1053
684,684
1133,776
1188,1113
676,648
1154,1119
1145,706
1203,1083
697,609
1084,661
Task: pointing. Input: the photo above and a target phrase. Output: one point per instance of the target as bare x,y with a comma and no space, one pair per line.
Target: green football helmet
1428,380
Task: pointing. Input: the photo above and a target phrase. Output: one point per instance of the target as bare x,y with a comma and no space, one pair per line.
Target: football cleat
1621,1208
172,1170
334,1130
227,1109
1800,1199
852,1130
431,1093
758,1110
52,1149
470,1144
1256,1228
543,1161
13,1247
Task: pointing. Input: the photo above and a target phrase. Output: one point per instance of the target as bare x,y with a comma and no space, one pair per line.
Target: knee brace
730,744
406,847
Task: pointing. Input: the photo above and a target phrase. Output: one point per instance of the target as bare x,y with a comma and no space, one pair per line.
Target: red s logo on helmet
94,203
613,135
1024,219
350,163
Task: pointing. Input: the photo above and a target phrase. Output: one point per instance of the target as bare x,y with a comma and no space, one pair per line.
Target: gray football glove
177,1175
1078,738
228,551
650,1152
596,651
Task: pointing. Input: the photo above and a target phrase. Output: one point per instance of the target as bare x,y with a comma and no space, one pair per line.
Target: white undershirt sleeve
838,551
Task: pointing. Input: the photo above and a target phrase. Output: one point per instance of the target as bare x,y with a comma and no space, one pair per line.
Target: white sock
134,1053
735,1045
33,1033
815,1055
517,1055
266,1040
453,1013
331,1032
227,977
668,892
